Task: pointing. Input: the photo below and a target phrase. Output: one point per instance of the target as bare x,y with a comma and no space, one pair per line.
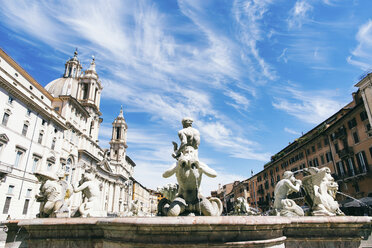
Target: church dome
63,86
68,84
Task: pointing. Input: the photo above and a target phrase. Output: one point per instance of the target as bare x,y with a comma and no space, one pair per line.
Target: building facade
56,129
342,143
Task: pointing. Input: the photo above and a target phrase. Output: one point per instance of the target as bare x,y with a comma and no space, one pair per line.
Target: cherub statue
321,189
51,195
189,170
286,186
90,188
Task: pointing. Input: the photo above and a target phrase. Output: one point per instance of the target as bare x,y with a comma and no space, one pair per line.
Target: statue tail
217,205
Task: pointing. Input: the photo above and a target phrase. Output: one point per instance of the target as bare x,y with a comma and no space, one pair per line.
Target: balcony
346,152
5,169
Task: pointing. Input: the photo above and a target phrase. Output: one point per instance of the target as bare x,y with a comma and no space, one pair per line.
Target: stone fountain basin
199,231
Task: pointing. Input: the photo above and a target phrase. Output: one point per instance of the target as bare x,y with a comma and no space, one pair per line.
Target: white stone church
56,129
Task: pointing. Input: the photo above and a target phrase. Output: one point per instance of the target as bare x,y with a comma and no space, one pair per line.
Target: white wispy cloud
248,15
291,131
309,106
362,54
299,14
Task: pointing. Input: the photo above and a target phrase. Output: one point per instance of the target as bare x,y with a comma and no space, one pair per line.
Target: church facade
55,129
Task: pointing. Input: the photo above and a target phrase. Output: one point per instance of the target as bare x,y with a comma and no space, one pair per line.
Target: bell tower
73,67
89,90
118,143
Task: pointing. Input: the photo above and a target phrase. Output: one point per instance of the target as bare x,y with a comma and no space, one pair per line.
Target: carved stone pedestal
201,231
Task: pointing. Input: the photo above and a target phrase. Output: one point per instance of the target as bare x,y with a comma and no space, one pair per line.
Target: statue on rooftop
282,205
189,170
321,189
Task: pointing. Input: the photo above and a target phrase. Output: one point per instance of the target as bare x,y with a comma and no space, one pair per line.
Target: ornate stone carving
241,207
189,170
169,191
282,205
51,196
321,189
89,186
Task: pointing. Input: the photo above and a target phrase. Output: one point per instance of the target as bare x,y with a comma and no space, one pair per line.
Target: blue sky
254,74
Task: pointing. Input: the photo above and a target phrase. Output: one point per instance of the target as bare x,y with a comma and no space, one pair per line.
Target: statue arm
81,187
183,139
170,171
293,187
207,170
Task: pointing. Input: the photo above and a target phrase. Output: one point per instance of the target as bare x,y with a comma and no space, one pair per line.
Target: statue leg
177,207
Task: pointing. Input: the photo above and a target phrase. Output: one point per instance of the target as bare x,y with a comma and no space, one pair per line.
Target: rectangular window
25,206
352,123
7,205
10,100
18,158
363,115
329,157
28,193
336,147
356,137
5,119
53,144
24,130
10,189
362,162
49,168
368,129
340,168
28,113
319,145
310,163
350,167
43,122
316,163
313,148
34,164
322,159
325,141
40,139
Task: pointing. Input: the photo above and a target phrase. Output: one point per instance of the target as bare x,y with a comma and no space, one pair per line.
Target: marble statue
320,192
189,170
169,191
90,188
51,196
241,207
282,205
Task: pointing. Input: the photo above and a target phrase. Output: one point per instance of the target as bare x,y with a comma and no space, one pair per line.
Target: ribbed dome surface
63,86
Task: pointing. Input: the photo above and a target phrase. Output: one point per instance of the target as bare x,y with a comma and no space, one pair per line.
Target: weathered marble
320,192
186,231
241,207
282,205
189,170
91,194
52,194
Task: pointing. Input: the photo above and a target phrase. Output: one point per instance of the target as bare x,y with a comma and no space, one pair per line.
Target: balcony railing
5,168
347,151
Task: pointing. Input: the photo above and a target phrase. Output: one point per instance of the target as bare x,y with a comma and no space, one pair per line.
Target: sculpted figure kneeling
189,170
286,186
91,192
